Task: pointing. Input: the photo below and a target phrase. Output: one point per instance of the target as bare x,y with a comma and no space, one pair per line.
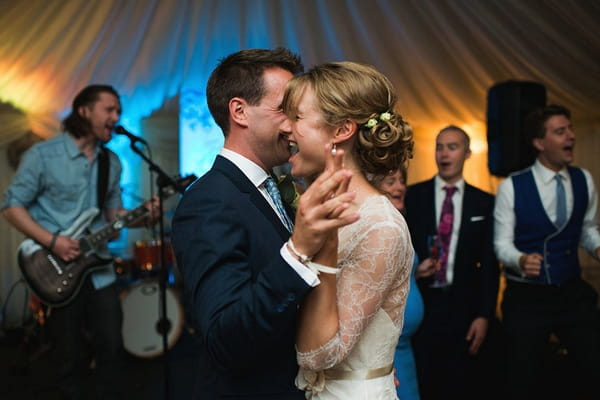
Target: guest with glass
460,297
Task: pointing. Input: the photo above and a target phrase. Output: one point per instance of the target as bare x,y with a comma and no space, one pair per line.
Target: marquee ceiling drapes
442,55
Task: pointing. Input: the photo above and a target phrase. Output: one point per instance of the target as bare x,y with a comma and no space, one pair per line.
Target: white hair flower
386,116
371,123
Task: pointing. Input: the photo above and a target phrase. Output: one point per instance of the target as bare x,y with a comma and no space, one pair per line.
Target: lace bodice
375,256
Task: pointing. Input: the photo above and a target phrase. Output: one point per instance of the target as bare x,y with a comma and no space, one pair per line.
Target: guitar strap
103,167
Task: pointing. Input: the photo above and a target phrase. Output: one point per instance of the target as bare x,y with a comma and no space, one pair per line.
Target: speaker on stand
508,103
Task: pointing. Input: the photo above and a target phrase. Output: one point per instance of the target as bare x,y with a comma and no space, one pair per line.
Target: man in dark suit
243,282
452,220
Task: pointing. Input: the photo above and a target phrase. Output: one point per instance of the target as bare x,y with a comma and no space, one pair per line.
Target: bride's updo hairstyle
348,90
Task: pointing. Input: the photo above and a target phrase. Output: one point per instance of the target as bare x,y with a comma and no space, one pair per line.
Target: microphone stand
163,325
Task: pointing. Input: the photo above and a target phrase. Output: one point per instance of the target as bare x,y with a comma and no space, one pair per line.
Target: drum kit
140,300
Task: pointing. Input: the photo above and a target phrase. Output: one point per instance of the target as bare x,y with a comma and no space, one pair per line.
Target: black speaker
508,104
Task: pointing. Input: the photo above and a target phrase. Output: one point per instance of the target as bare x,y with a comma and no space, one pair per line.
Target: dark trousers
89,328
445,370
531,313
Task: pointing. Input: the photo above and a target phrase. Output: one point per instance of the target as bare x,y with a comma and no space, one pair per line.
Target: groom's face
267,122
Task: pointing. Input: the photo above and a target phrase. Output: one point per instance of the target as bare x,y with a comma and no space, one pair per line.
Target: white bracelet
304,259
316,268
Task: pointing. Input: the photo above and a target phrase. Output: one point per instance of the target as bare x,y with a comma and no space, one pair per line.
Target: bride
350,324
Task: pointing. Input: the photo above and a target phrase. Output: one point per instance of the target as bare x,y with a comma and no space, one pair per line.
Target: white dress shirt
505,219
257,176
457,201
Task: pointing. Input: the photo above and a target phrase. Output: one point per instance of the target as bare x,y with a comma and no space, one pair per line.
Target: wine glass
434,244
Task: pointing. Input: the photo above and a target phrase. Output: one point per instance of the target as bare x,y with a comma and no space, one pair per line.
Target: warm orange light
34,94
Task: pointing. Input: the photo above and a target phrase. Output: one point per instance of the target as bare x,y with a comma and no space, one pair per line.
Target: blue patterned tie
276,197
561,202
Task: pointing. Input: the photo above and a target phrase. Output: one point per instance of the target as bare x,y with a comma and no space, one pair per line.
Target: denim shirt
56,182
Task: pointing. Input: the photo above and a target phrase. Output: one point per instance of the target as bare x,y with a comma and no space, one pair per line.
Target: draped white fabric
442,56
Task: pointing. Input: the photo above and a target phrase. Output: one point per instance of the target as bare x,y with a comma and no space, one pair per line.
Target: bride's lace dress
375,256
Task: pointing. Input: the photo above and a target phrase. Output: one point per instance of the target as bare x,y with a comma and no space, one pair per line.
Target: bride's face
309,137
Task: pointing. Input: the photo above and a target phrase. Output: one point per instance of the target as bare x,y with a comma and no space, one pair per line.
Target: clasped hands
324,206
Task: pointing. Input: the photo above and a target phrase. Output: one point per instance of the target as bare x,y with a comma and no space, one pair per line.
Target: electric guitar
57,282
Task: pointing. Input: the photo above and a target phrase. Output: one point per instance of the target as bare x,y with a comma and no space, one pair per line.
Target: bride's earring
333,149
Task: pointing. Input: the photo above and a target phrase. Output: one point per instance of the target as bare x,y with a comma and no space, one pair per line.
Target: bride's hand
323,208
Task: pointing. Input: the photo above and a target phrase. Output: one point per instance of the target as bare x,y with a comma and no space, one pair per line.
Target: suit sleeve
490,271
416,220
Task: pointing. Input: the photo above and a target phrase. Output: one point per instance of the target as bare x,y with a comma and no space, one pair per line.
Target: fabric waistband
338,374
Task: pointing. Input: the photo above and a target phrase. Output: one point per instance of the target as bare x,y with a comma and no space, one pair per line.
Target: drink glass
436,250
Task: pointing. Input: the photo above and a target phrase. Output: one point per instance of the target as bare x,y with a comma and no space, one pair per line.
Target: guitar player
57,181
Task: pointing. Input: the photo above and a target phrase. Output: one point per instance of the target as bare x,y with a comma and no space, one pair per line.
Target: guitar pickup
54,264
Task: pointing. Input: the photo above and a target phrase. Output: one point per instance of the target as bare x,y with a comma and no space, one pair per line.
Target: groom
243,285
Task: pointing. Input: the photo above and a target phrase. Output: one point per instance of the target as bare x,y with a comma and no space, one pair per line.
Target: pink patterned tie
445,232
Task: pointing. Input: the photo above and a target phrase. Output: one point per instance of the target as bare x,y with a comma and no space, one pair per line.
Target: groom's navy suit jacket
240,295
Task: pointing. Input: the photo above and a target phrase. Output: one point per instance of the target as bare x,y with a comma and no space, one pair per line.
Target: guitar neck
107,231
92,240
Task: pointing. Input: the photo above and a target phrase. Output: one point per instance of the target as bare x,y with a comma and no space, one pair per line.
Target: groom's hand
323,208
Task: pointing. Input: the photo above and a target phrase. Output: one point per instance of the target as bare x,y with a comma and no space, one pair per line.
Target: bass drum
140,304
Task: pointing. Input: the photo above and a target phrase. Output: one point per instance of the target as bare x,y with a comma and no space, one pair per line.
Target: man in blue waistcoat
542,215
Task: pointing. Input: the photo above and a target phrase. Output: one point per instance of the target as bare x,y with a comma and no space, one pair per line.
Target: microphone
122,131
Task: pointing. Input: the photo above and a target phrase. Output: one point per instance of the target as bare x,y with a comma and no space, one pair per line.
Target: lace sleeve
375,256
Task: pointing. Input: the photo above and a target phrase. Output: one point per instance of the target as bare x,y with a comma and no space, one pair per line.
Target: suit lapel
468,208
429,198
247,189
